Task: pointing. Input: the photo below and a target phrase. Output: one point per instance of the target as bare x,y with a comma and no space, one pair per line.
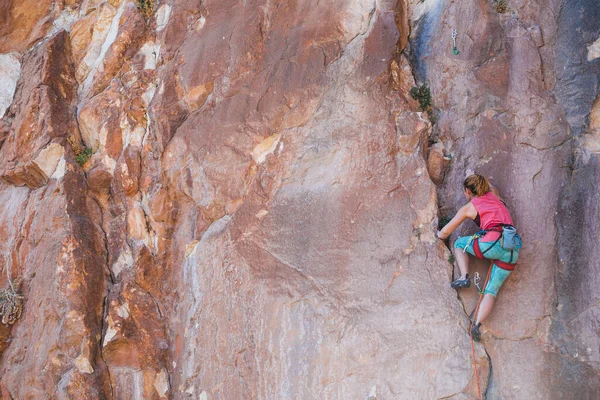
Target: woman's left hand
441,235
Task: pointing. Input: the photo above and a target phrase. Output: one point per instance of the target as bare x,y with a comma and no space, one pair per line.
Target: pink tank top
491,212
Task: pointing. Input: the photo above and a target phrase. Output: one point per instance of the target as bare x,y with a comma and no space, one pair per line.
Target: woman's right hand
466,211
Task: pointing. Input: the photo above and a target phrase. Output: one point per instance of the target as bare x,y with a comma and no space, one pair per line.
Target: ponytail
477,184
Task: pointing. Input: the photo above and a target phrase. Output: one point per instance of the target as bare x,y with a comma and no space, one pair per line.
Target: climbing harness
473,320
455,51
474,240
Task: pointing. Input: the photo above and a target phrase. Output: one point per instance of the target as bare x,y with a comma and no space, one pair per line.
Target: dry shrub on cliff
83,155
82,152
146,7
501,6
11,303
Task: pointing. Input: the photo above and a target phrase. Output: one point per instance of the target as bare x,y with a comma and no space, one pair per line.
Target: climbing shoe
461,283
475,334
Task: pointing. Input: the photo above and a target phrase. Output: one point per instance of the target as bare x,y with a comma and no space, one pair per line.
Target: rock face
238,199
509,108
53,240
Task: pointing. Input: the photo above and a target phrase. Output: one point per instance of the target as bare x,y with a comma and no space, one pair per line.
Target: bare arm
466,211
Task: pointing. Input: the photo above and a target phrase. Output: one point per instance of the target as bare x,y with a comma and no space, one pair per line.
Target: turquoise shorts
495,252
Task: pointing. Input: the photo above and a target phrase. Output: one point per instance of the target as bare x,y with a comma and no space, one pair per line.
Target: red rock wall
257,217
505,109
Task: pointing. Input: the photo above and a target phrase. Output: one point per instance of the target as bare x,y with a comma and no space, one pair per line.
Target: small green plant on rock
444,221
82,154
146,7
432,117
418,233
81,151
11,303
451,258
423,95
501,6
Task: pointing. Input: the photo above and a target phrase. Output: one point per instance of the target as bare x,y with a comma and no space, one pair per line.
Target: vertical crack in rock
109,285
490,375
101,346
528,109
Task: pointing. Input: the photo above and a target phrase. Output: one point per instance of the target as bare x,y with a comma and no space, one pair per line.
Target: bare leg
462,260
485,307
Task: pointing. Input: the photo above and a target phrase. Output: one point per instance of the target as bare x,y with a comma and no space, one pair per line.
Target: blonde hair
477,184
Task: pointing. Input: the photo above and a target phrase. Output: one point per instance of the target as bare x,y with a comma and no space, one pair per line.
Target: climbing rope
455,50
475,319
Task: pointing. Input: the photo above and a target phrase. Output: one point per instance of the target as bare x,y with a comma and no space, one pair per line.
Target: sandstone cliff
220,199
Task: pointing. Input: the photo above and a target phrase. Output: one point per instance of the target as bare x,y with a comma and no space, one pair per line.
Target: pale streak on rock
139,227
147,98
110,37
105,16
191,247
200,23
196,95
110,334
151,52
136,223
591,140
359,15
10,70
64,21
83,364
593,50
162,17
49,157
261,214
264,148
123,310
149,94
60,170
131,135
124,262
161,384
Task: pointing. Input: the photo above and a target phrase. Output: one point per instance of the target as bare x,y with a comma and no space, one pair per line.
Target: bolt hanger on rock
455,51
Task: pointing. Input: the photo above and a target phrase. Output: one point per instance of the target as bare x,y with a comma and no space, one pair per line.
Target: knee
461,242
490,297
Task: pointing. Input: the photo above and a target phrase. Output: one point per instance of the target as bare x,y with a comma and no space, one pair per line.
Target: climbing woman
497,240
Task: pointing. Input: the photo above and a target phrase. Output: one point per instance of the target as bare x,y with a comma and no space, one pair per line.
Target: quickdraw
476,236
477,282
455,51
